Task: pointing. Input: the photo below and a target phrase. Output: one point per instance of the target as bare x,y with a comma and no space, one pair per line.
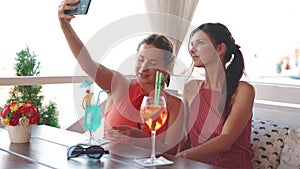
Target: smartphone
82,8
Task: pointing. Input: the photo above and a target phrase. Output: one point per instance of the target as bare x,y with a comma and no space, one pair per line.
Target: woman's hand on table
130,131
126,134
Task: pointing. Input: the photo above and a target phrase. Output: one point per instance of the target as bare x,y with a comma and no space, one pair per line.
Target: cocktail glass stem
153,133
91,135
92,139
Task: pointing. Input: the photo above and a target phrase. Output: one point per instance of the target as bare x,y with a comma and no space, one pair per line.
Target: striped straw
158,84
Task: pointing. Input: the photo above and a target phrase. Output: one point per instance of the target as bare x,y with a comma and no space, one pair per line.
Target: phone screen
82,8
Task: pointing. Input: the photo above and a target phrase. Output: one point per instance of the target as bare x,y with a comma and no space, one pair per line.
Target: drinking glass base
148,162
97,142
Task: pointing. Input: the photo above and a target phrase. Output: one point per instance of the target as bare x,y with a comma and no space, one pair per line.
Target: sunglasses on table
95,152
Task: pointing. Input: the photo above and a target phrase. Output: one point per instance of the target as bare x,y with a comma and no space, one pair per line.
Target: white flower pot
19,134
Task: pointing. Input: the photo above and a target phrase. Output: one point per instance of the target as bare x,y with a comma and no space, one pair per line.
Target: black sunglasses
91,151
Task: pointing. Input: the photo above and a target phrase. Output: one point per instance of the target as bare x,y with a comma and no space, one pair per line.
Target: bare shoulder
245,90
173,99
190,85
191,88
174,102
245,87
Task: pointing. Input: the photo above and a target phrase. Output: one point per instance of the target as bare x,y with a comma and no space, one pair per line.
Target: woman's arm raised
99,73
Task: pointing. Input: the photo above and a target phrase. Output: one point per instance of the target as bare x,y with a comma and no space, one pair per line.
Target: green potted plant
27,65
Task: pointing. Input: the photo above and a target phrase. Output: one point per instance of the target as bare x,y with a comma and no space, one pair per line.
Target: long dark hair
233,58
161,42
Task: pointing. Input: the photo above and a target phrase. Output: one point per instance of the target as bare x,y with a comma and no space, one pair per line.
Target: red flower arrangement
20,113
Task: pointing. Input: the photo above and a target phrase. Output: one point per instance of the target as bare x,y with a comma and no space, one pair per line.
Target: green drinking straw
158,83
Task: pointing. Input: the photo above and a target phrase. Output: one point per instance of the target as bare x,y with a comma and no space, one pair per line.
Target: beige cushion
267,140
290,156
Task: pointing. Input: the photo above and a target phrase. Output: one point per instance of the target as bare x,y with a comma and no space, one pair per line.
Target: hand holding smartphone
82,8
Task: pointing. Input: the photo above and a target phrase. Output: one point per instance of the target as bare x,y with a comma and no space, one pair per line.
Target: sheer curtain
171,17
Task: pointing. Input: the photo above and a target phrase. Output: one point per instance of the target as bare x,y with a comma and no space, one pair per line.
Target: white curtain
171,17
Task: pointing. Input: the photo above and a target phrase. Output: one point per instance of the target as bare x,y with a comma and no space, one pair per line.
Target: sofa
276,146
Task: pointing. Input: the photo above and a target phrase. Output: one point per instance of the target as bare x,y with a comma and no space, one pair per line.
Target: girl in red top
220,106
154,53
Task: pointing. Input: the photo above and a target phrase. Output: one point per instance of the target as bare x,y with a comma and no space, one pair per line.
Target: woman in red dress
220,106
